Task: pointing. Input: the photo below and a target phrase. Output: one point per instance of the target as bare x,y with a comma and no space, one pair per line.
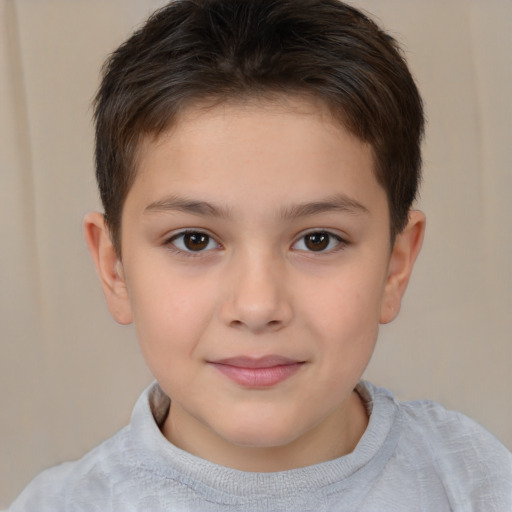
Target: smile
258,373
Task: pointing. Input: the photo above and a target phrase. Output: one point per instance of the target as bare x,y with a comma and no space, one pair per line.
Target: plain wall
69,375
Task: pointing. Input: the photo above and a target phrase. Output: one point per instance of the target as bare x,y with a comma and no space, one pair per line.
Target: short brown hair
226,49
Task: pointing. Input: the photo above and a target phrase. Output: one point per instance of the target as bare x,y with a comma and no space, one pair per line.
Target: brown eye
196,241
193,241
317,241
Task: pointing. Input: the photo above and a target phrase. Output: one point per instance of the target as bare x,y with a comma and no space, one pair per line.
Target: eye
318,241
193,241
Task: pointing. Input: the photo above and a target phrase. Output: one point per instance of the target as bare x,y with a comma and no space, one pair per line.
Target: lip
259,372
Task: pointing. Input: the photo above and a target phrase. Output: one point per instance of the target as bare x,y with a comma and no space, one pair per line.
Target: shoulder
71,485
444,432
470,464
107,478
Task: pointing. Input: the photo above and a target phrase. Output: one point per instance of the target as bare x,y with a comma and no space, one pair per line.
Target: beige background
69,376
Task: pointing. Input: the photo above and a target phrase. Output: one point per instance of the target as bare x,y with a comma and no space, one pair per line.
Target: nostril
271,325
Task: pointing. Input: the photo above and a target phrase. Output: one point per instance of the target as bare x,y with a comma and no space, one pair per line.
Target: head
257,162
214,51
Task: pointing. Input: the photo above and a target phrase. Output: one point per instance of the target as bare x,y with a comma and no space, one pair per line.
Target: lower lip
258,377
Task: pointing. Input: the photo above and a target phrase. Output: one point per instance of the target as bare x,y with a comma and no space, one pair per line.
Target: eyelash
340,242
171,243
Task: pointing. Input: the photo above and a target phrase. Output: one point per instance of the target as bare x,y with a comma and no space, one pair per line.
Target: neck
336,436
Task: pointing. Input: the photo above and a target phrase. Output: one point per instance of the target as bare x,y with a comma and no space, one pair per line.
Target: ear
109,267
405,250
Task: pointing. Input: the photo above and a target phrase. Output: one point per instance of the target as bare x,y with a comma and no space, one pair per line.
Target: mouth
261,372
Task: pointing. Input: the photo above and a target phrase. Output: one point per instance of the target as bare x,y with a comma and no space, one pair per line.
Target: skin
255,181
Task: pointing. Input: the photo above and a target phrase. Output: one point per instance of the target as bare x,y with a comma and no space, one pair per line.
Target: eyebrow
339,202
182,204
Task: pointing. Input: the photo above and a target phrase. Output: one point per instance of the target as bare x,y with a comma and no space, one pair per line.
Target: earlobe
109,267
405,251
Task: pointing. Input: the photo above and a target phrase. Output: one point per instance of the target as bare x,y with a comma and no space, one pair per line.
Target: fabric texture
414,456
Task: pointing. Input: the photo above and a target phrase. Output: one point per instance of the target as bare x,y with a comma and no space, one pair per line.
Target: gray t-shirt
414,456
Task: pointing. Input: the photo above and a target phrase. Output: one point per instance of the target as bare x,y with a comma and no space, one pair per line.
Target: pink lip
258,372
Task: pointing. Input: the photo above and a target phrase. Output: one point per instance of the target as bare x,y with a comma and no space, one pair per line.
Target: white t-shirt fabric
414,456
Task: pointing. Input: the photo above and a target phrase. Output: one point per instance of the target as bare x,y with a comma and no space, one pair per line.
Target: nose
257,300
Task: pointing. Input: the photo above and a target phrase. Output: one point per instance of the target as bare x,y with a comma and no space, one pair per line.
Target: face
256,266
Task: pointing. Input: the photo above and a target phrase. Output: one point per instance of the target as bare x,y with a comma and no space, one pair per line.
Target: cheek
343,318
349,301
170,314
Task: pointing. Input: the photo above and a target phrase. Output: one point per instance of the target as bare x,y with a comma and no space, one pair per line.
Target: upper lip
257,362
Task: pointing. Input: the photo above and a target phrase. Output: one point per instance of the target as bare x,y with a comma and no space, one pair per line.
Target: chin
269,434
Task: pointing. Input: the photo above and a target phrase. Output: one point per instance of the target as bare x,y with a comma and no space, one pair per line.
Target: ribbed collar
225,485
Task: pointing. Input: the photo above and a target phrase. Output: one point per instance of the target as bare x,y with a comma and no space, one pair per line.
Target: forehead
290,144
234,111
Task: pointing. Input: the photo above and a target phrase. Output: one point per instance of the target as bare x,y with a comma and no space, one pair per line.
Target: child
257,163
